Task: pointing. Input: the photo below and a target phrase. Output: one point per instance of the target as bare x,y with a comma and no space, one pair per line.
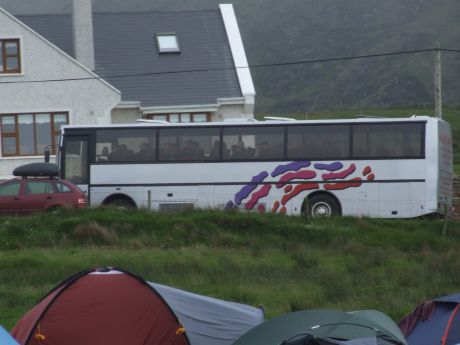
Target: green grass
279,262
452,116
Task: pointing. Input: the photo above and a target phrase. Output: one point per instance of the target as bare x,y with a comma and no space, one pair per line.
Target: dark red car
38,193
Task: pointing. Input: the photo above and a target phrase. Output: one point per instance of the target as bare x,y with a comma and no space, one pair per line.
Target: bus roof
158,124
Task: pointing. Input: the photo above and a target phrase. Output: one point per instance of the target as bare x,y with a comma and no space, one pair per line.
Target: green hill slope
291,30
279,262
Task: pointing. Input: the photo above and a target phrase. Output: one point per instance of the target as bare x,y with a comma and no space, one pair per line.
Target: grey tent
207,320
326,327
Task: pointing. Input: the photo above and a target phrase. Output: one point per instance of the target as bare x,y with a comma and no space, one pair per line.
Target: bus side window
252,143
183,144
168,152
146,152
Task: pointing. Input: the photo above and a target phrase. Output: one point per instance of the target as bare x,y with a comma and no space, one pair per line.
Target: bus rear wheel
323,206
120,203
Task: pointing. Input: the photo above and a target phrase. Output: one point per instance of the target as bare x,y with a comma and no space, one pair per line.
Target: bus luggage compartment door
176,198
395,200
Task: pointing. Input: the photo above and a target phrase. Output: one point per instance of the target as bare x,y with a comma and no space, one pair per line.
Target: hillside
296,30
282,263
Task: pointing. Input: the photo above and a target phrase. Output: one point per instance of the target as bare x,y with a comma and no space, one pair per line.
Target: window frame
257,132
102,133
167,50
221,157
160,157
53,132
5,56
29,191
11,183
181,115
422,132
346,129
58,190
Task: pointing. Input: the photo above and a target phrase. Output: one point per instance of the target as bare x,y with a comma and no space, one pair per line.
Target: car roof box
37,170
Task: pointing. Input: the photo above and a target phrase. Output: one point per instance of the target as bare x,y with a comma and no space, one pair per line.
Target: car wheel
55,209
323,206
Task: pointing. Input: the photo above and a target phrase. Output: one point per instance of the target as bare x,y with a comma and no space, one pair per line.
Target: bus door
75,161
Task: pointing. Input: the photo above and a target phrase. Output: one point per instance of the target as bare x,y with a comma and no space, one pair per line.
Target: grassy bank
279,262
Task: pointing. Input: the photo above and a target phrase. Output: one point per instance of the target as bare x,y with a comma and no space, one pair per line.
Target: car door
10,197
38,195
64,196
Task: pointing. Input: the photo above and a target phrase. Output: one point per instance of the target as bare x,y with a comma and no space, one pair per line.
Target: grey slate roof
125,44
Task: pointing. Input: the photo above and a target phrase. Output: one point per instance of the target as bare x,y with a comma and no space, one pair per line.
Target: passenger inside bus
239,151
215,150
168,151
120,153
191,151
146,153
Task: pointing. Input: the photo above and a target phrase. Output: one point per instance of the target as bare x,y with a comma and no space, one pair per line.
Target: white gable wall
86,101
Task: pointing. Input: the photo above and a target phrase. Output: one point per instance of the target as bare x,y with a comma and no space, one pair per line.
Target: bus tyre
323,206
121,204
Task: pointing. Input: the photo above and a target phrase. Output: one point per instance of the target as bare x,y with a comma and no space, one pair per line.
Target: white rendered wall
86,101
232,111
125,115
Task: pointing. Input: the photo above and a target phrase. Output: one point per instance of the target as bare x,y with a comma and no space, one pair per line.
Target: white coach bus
372,167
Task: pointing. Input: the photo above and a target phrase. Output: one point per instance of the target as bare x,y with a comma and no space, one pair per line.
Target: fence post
444,223
149,199
307,211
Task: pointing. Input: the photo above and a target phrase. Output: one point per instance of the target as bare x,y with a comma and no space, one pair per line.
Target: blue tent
6,338
435,322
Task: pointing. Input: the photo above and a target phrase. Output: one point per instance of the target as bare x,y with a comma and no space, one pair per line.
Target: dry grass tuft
95,233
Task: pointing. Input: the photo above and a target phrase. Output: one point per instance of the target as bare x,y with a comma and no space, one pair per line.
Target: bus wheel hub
321,209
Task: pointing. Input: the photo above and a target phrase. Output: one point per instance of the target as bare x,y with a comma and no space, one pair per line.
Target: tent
326,327
209,320
6,338
113,306
435,322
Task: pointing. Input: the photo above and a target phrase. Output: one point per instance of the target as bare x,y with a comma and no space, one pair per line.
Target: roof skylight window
167,43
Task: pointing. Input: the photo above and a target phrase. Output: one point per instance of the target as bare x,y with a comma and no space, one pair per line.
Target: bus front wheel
323,205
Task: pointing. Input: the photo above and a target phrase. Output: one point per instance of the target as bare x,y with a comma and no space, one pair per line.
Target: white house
103,68
32,105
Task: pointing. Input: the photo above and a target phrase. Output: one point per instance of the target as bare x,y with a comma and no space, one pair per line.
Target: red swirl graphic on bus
294,178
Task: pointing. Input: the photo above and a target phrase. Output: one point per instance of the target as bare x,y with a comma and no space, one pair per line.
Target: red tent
101,306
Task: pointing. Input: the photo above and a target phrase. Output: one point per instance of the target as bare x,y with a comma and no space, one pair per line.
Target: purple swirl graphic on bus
330,167
248,189
294,179
294,166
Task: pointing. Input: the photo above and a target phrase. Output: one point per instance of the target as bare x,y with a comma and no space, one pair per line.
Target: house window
30,134
10,61
182,117
167,43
